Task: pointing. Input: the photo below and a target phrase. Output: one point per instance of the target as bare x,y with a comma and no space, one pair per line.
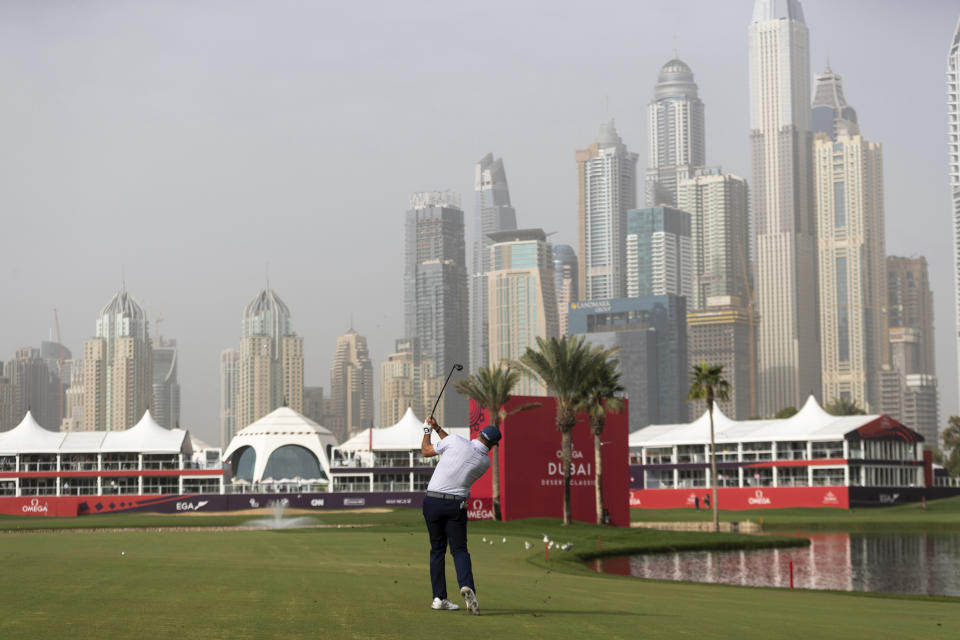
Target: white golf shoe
442,604
471,599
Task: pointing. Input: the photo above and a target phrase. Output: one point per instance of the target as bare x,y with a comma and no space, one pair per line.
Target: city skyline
88,163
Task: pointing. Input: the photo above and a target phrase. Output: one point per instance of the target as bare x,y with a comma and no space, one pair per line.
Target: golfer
445,507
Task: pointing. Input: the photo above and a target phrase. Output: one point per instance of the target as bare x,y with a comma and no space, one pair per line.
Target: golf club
456,367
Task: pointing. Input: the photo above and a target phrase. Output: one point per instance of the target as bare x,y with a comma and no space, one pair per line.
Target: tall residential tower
269,366
789,354
953,133
522,304
607,175
677,145
848,175
350,408
492,213
435,295
117,367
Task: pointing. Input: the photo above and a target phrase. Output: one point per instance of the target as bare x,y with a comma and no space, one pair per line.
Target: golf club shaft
452,369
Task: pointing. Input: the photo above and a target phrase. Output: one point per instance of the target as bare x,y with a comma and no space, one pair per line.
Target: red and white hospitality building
144,460
812,459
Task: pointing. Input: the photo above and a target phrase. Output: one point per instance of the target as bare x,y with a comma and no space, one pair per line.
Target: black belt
445,496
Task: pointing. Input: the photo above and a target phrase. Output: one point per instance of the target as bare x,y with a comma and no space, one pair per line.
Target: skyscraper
314,404
435,294
910,305
229,394
36,387
852,275
166,388
269,370
848,199
677,143
492,213
789,355
400,386
953,136
912,351
720,334
566,283
351,387
720,234
652,336
607,184
659,254
522,304
7,421
830,114
117,367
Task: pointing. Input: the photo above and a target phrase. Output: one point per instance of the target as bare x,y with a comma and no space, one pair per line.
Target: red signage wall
531,472
746,498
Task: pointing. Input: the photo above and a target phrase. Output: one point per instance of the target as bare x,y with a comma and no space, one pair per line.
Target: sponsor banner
480,509
885,496
39,506
739,499
531,464
91,505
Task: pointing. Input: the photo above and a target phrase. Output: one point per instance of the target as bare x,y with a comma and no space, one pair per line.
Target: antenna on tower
266,272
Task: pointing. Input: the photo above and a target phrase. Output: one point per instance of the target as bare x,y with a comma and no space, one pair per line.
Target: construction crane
56,321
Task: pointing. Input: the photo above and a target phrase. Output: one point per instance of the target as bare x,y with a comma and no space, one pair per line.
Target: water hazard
922,563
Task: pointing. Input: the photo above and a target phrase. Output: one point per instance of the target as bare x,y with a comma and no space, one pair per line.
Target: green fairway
940,515
373,583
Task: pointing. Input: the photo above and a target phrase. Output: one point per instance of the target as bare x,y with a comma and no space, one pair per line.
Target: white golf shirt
462,461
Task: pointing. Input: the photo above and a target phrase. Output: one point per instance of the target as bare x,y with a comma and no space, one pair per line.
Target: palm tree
490,387
564,366
951,445
706,383
844,406
602,399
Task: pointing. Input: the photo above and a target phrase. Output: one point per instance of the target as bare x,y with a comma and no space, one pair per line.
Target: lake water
920,563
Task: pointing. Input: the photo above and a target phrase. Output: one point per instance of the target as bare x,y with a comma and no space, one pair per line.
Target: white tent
405,435
147,437
29,437
282,427
810,423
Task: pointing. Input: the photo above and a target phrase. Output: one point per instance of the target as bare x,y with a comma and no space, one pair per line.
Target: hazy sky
192,144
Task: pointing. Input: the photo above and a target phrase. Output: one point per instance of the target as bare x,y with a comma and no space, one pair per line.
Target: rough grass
940,515
373,583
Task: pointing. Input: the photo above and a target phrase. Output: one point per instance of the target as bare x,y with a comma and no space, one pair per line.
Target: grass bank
940,515
373,583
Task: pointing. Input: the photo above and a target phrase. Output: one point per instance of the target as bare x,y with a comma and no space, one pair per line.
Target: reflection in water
877,562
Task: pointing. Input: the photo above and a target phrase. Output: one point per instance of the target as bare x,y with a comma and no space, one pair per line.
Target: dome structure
608,136
675,80
283,444
267,315
123,304
122,317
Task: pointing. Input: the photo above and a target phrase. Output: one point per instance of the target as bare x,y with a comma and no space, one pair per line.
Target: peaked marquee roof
405,435
144,437
810,423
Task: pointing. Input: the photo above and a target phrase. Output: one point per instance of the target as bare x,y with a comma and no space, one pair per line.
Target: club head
458,367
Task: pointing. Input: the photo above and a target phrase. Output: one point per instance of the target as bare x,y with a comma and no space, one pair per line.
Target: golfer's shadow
551,612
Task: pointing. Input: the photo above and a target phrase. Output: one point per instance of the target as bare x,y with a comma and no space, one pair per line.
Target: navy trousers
447,523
